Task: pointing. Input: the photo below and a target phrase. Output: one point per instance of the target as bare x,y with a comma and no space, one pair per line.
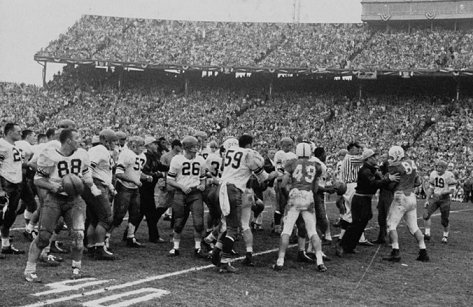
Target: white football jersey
205,152
187,172
239,164
441,183
54,165
54,144
26,149
10,162
131,165
101,162
214,165
281,158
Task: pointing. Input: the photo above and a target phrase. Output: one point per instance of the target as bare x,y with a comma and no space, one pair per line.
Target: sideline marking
140,281
153,293
63,286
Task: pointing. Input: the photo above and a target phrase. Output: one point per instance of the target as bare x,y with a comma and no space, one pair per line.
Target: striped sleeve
173,168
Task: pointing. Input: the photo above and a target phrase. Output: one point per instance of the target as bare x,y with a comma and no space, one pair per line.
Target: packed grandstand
427,117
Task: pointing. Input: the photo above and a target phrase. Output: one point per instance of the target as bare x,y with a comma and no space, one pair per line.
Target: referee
368,182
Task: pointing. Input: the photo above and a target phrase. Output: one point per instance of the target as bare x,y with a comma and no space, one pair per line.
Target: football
72,185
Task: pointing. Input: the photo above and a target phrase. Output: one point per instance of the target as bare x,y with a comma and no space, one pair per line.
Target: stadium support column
270,89
458,89
186,84
121,77
360,89
44,73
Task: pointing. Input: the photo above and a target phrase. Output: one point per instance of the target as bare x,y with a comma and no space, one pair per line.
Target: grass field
147,277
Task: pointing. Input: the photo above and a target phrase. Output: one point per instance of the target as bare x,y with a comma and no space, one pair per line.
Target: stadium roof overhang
361,73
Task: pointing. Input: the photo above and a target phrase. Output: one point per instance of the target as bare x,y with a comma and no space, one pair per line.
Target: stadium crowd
331,120
315,46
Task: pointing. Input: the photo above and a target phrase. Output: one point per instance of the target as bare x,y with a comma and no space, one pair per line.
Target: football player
319,198
99,210
129,176
302,172
214,166
163,193
442,185
187,175
404,204
201,137
240,162
53,164
11,177
27,191
280,158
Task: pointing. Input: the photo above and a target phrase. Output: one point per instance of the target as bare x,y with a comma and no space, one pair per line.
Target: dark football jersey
408,171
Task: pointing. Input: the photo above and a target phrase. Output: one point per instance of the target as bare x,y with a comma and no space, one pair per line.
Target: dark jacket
370,180
153,167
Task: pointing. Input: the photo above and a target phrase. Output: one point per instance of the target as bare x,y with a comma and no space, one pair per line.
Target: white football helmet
303,150
190,144
396,153
231,142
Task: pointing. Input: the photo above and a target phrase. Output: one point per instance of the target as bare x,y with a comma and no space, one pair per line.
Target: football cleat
302,257
216,256
173,253
394,256
322,268
248,261
30,235
207,244
445,239
366,243
32,277
199,253
227,268
78,274
57,249
157,240
311,255
100,253
51,260
423,256
277,267
131,242
107,243
426,237
10,250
